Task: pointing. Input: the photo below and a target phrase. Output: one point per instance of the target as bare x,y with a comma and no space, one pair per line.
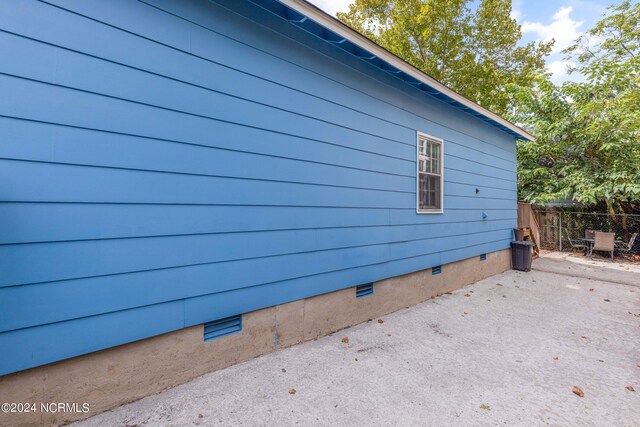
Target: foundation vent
436,270
364,290
483,257
222,327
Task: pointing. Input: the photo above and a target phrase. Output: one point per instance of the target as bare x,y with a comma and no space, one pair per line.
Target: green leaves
476,54
590,128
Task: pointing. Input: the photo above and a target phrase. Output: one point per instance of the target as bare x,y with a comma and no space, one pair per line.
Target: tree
588,145
475,53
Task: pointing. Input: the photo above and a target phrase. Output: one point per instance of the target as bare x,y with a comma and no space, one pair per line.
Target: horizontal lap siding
163,164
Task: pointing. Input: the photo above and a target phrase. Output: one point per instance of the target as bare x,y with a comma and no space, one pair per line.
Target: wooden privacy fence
526,219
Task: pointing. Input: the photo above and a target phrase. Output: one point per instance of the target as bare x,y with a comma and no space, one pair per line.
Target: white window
430,180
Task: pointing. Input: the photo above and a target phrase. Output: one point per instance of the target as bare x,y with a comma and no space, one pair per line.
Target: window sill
429,212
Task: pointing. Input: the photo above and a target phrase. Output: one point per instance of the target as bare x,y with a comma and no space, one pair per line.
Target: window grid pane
429,191
435,159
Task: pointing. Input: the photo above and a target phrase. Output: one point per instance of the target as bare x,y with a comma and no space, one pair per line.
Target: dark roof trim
315,21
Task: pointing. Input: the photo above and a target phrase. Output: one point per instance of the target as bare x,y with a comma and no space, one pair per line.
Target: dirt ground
505,351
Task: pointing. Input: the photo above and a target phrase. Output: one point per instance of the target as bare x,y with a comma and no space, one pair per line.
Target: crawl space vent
364,290
222,327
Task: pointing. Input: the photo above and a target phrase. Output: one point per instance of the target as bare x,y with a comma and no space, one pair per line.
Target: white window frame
422,135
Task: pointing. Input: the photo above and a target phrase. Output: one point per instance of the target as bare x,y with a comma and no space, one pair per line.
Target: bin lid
521,243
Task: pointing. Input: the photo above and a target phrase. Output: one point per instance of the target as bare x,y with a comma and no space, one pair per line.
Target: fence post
560,228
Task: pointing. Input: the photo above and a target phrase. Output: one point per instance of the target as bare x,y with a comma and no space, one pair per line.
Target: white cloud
516,14
560,70
332,6
562,28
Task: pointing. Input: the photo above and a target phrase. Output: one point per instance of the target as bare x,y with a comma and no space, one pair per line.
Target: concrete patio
505,351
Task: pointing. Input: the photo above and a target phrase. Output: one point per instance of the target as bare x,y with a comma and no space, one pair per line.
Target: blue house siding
165,164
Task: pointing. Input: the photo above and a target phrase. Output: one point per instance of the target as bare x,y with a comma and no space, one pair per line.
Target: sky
563,20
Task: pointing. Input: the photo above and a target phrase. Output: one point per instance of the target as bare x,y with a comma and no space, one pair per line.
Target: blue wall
165,164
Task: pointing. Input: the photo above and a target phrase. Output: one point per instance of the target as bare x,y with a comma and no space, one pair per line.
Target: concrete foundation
118,375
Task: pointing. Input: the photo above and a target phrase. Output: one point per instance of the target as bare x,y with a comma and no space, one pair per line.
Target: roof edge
333,24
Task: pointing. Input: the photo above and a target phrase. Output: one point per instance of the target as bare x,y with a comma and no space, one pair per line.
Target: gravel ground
505,351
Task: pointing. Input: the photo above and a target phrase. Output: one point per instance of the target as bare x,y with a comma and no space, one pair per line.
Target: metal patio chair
575,243
621,246
604,242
